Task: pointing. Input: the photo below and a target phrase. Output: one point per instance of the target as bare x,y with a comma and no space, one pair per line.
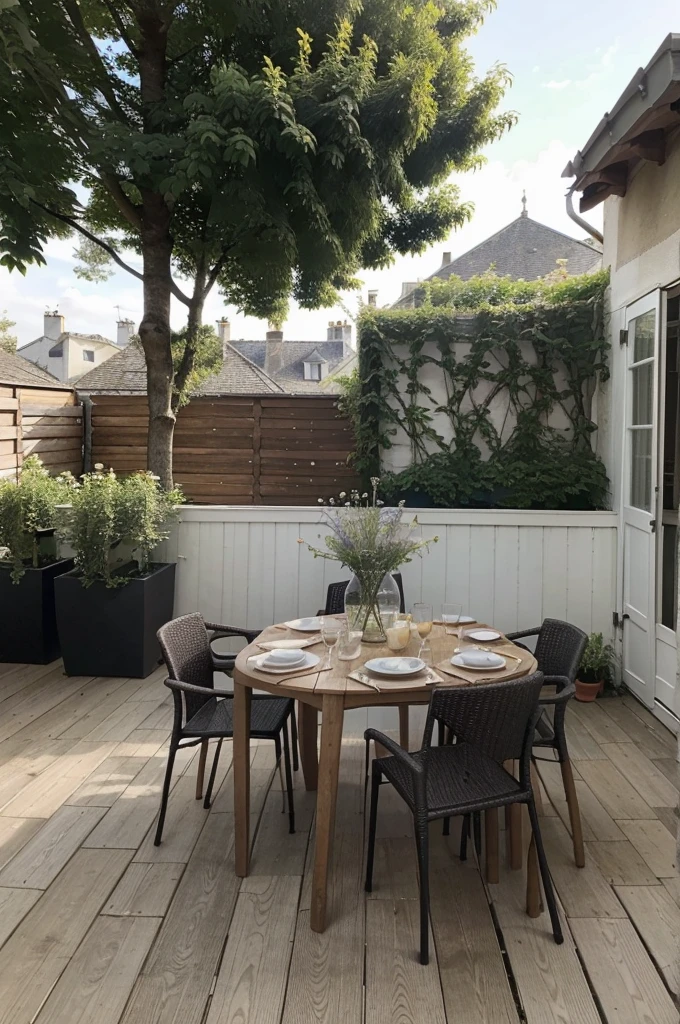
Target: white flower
343,494
365,494
99,466
320,501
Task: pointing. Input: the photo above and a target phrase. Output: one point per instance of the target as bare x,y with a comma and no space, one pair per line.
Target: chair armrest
565,690
222,631
402,755
523,632
200,691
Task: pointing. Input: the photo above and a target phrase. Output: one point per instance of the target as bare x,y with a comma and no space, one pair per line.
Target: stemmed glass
422,616
330,634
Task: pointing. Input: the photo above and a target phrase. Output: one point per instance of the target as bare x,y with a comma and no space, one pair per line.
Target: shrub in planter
595,669
115,599
29,563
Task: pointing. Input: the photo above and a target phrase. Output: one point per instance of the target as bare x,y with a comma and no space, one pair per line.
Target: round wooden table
331,692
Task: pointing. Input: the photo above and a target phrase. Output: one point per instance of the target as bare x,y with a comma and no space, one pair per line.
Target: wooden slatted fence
236,450
42,422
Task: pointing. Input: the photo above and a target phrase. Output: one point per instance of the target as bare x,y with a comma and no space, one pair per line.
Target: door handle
652,524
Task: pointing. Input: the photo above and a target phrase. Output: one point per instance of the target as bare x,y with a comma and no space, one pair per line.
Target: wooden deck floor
97,926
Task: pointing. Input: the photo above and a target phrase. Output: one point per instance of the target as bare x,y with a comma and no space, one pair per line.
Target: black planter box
28,624
112,631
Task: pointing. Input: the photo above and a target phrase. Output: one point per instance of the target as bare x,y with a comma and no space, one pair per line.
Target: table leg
403,726
332,716
491,836
308,732
241,770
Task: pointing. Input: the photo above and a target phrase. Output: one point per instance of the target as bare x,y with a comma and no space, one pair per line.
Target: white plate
293,660
311,624
395,667
310,660
479,661
455,620
484,636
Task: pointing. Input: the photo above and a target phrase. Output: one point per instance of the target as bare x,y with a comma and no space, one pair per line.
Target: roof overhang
635,130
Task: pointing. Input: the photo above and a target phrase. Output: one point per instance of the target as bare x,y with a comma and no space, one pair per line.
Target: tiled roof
524,250
14,369
65,335
125,373
291,376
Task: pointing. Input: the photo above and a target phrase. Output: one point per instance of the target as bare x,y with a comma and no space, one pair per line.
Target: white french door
639,499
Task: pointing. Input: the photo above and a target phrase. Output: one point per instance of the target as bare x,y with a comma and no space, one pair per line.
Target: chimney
125,330
373,297
273,353
446,259
53,325
224,334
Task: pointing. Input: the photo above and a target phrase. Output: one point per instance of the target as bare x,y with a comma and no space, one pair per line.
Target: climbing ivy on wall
529,358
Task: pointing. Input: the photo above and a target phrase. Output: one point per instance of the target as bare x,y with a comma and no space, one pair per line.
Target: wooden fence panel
38,421
235,450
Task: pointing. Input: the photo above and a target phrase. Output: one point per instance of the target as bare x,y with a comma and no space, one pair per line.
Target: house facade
299,367
68,355
631,163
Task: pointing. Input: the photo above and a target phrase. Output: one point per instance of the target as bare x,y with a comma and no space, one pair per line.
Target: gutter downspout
571,212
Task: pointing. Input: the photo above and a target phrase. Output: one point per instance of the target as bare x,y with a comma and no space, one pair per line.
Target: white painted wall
243,566
71,364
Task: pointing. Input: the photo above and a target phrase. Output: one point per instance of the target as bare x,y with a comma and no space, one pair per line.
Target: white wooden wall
243,565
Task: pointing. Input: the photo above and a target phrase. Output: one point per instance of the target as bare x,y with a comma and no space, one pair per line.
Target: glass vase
372,613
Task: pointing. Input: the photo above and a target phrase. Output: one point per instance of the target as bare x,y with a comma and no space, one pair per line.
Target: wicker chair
492,724
203,713
559,649
335,596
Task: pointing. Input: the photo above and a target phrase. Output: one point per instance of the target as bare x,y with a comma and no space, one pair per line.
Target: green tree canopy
8,341
272,149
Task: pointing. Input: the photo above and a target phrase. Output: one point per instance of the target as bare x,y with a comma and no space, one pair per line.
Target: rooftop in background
633,131
17,371
70,354
125,374
301,367
524,250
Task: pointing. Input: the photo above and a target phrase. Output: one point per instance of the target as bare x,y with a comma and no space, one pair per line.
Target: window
57,351
88,355
312,371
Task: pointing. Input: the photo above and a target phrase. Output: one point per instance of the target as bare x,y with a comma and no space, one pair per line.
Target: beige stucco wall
650,211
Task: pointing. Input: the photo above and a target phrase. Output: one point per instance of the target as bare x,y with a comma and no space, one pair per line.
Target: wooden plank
622,973
128,820
14,906
97,982
601,727
655,844
656,916
69,411
584,892
14,834
45,794
276,852
398,987
8,404
471,969
145,890
638,732
107,782
176,980
582,745
642,774
253,976
595,821
620,863
8,433
185,819
34,957
43,857
615,794
44,429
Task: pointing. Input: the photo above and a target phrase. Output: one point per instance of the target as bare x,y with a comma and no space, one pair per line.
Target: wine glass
330,634
422,616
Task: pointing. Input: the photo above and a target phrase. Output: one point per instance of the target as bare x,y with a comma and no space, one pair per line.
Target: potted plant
595,669
29,563
111,604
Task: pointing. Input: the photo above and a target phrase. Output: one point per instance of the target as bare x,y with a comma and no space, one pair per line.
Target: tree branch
126,207
215,272
93,238
121,26
76,18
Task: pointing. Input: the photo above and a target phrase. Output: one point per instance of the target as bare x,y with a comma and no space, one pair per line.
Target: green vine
514,384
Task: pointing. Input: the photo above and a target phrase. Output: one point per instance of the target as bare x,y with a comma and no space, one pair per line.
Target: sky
566,74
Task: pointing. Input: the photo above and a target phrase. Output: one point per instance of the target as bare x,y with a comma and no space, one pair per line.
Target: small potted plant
29,563
111,604
595,669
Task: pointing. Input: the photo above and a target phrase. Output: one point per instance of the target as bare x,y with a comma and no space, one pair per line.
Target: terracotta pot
587,692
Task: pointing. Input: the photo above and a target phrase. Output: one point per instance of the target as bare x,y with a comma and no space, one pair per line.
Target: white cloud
557,85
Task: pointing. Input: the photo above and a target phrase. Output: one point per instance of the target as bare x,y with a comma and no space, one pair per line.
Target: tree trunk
154,333
194,321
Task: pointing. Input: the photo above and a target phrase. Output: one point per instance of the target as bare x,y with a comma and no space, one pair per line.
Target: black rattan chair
559,649
203,713
492,724
335,596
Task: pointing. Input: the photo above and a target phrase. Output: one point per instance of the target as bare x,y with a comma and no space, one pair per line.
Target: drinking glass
349,644
330,634
451,613
422,616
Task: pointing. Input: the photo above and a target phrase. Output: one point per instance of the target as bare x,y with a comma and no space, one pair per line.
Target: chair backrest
559,648
185,645
335,596
495,718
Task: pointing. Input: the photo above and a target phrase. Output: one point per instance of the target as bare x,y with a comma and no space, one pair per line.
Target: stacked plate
286,660
395,668
478,660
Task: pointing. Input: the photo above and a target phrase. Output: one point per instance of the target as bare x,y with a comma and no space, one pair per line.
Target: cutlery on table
489,650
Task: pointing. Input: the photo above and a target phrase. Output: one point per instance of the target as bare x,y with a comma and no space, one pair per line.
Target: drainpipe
571,212
86,403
